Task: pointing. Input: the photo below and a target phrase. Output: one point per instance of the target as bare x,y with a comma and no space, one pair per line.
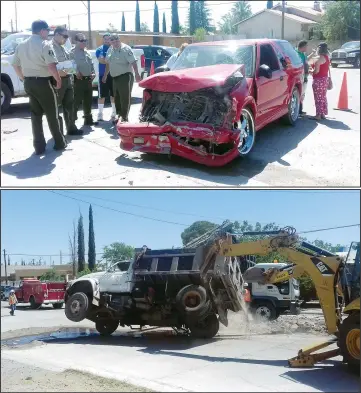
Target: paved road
232,361
312,154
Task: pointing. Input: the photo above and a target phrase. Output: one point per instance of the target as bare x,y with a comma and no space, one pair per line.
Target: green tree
269,4
117,252
183,30
164,25
197,229
156,18
203,16
51,275
200,34
81,244
91,241
83,272
144,27
192,18
137,18
341,20
175,18
123,22
241,10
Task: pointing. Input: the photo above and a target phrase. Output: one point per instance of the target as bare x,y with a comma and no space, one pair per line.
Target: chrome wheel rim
294,105
246,142
75,307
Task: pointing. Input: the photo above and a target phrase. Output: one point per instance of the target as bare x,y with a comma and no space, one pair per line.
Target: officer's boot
88,121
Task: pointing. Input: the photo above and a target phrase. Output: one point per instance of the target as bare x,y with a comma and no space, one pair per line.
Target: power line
329,229
119,211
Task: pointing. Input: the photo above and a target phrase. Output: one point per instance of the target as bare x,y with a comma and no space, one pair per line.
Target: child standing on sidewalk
12,302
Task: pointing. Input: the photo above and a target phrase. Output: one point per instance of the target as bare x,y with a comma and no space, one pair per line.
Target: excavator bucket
254,274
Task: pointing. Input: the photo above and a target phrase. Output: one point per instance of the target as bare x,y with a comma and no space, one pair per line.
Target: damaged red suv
209,107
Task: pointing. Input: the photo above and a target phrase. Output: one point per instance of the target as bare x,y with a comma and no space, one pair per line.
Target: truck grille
339,55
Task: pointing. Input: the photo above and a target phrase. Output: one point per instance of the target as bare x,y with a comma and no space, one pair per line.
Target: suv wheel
5,97
293,108
246,143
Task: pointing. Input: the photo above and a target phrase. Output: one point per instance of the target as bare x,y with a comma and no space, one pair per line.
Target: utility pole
283,20
16,17
6,270
68,22
61,258
12,26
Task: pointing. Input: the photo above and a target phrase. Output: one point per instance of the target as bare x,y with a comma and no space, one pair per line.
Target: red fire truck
37,293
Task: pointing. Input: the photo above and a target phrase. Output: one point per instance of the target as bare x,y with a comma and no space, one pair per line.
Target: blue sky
38,221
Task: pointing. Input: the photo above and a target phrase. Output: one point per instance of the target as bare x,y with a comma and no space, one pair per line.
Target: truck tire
206,328
106,327
333,65
33,304
5,97
293,108
265,311
57,306
76,308
350,341
356,64
191,300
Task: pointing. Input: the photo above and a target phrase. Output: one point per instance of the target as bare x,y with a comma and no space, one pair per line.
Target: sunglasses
115,40
82,41
66,36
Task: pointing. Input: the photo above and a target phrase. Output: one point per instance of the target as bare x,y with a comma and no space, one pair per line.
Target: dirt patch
18,377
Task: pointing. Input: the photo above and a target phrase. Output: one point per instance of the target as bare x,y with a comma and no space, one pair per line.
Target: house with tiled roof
299,22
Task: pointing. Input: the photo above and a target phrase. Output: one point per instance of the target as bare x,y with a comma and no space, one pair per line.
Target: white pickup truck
11,85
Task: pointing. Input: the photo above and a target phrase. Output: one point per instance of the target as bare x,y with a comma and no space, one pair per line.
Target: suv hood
190,79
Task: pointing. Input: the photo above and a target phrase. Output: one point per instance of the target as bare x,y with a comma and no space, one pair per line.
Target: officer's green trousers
122,88
83,93
43,100
66,101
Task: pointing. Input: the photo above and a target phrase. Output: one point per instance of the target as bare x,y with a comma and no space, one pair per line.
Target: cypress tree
164,29
81,245
156,18
91,240
192,17
175,17
123,22
137,17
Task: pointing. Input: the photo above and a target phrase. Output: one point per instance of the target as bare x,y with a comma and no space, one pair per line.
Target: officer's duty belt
37,77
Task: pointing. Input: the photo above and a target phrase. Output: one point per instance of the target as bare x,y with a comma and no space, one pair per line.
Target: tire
293,108
206,328
356,64
58,306
266,311
334,65
106,327
349,341
33,304
6,97
76,308
245,147
191,300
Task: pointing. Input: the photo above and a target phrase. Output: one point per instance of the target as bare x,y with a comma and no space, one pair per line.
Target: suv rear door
270,92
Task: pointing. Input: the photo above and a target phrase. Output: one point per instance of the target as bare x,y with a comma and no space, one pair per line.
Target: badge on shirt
129,51
51,53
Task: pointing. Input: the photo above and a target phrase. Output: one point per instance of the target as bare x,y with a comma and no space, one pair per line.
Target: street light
87,6
283,20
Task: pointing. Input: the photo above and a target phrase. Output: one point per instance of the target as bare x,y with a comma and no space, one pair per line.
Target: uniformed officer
120,64
83,89
66,92
35,63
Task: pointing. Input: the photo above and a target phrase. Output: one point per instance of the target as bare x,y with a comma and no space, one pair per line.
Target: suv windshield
202,55
122,266
351,45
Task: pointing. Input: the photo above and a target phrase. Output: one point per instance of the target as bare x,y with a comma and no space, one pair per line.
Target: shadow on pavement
272,143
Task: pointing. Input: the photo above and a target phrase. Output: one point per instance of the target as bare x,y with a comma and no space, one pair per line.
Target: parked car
5,291
13,87
349,53
219,94
158,54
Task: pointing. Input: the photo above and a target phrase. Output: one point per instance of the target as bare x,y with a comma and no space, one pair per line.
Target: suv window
268,57
290,51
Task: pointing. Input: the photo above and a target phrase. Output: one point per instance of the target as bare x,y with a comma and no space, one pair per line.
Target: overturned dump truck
189,290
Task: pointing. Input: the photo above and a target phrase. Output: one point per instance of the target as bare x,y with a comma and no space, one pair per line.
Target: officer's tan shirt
83,60
33,56
60,52
120,60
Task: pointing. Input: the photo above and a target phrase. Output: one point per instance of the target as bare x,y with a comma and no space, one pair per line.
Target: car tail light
142,61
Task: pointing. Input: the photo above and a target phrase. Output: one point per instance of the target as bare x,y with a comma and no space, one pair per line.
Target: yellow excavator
335,287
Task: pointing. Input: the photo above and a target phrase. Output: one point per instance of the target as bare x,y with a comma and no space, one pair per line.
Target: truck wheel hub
192,300
75,306
353,343
263,312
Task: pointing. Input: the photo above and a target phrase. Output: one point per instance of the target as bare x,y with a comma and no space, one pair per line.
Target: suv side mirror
162,68
265,71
